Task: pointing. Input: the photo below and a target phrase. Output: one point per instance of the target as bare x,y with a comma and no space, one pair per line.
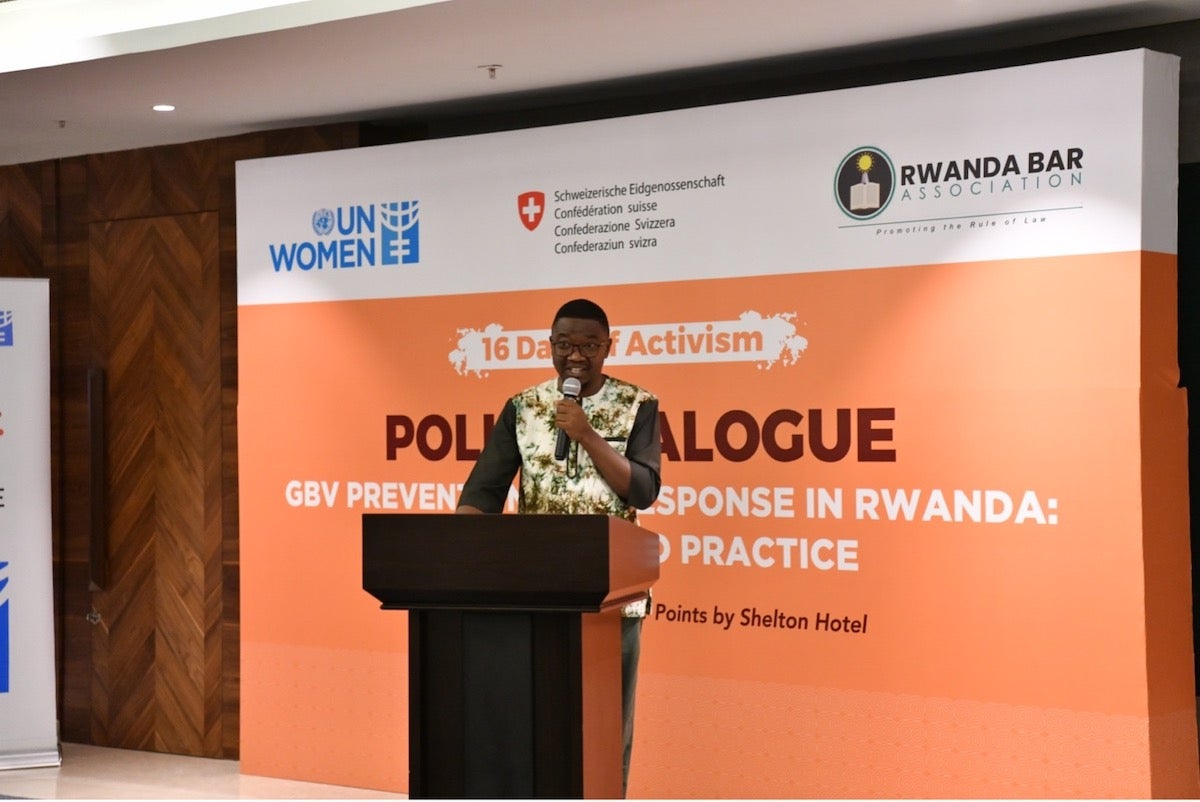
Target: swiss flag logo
530,206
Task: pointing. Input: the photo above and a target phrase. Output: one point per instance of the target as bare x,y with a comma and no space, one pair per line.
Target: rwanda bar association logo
864,183
347,237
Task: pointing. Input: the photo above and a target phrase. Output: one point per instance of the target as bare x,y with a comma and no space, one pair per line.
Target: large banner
28,720
924,518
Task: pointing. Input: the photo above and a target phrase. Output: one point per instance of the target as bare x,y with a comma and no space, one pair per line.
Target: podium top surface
584,563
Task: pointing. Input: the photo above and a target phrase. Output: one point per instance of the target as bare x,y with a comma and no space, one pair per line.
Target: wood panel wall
141,251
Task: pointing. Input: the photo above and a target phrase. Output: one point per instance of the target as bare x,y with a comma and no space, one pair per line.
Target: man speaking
584,443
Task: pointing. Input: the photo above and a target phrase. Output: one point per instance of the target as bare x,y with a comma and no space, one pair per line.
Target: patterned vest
573,485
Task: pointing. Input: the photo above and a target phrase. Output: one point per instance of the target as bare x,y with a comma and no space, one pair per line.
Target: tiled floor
93,772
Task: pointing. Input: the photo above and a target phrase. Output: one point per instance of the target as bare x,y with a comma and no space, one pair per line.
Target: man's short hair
582,309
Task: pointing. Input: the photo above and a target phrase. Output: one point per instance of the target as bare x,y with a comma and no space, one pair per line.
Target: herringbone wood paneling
126,240
20,222
157,648
151,182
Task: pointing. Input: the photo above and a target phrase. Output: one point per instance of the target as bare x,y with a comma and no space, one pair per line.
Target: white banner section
28,722
877,176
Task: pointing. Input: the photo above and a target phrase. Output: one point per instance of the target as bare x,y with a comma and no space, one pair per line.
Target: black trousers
631,650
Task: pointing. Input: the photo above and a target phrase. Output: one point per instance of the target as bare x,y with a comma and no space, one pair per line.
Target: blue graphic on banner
400,233
372,235
3,630
6,327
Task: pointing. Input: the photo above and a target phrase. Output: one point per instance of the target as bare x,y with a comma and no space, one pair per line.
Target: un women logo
322,221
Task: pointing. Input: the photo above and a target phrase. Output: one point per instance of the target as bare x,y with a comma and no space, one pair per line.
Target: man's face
570,338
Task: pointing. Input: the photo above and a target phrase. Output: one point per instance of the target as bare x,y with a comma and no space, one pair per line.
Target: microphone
571,389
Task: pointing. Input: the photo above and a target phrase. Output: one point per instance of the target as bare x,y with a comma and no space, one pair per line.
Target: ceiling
81,76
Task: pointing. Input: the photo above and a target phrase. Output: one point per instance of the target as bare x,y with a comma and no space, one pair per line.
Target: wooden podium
514,646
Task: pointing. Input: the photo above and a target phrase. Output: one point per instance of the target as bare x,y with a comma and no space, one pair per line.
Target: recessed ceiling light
164,107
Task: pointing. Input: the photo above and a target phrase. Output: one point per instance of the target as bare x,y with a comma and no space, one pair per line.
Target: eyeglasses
588,349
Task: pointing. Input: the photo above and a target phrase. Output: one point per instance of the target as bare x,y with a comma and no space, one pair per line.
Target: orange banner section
915,559
777,740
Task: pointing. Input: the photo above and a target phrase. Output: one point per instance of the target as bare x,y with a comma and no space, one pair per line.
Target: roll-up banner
28,720
923,522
